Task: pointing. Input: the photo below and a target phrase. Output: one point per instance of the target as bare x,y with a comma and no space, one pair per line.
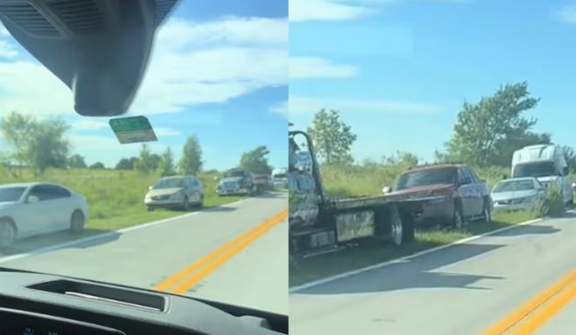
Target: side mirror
386,189
32,199
149,188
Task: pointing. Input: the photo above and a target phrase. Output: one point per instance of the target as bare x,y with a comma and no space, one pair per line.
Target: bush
553,204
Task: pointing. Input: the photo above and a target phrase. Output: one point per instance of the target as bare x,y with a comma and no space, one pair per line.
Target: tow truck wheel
396,226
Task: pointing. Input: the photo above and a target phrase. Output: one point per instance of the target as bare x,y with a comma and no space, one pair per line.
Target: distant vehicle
464,195
175,192
262,182
279,177
236,182
518,194
545,162
30,209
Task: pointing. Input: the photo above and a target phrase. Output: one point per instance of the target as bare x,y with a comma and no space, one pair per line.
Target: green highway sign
133,129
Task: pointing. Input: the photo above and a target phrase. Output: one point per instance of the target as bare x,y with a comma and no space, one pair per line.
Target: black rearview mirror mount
100,53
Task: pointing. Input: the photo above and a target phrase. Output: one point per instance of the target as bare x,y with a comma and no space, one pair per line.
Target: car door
478,192
40,215
195,190
61,200
466,192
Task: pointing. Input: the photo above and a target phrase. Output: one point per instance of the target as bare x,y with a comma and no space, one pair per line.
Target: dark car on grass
461,195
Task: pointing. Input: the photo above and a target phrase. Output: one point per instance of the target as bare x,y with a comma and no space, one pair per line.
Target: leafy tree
166,165
488,132
126,163
191,161
16,130
256,160
570,155
77,162
145,162
332,138
97,166
155,160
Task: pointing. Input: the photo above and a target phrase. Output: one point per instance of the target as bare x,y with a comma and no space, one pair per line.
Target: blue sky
219,70
400,69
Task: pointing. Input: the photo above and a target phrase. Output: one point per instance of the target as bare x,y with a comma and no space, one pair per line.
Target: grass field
362,181
115,197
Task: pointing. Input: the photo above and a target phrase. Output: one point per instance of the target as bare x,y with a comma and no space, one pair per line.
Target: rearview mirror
103,59
32,199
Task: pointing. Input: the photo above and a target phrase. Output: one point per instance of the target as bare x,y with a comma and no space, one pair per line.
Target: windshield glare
514,185
536,169
169,183
11,194
426,178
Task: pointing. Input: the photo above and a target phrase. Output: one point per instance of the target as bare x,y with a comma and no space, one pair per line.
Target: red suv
461,195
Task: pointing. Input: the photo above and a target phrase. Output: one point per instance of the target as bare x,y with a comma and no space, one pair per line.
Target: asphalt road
171,255
501,284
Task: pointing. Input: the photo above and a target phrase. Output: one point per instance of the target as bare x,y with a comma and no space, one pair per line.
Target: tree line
41,144
486,133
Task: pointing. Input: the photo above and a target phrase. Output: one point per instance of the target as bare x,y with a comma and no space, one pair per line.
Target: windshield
215,93
537,169
279,176
9,194
426,178
169,183
234,174
514,185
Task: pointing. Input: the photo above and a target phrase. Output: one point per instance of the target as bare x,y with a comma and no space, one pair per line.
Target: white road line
295,289
111,233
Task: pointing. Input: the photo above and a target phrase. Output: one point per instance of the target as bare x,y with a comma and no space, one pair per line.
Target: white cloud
312,67
566,13
325,10
281,108
192,63
308,105
342,10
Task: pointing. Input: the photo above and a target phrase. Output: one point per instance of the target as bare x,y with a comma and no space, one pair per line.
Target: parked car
236,182
175,192
518,194
262,182
30,209
460,195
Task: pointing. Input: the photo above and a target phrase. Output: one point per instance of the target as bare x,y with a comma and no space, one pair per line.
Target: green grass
369,180
115,197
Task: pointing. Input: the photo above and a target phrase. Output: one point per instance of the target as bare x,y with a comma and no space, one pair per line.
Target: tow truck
320,225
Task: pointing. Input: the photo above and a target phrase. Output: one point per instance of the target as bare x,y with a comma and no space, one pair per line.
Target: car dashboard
40,304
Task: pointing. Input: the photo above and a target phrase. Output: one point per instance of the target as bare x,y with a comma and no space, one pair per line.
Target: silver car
30,209
518,194
175,192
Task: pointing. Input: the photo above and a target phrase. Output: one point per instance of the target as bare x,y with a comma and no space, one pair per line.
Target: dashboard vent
28,18
79,16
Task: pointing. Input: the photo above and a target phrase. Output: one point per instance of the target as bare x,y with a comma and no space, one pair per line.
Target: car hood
548,179
231,179
164,191
4,204
420,191
499,196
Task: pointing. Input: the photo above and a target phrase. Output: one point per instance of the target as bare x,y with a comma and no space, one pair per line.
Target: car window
41,192
473,175
464,176
426,177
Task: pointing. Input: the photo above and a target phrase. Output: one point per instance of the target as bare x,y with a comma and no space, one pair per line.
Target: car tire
7,232
77,222
457,217
487,212
185,204
396,226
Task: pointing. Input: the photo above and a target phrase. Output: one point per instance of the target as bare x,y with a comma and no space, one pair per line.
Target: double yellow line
182,281
537,311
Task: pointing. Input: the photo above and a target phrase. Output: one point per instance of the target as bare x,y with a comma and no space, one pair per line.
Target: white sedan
30,209
518,194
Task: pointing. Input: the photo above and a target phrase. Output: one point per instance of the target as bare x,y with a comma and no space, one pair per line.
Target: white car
518,194
30,209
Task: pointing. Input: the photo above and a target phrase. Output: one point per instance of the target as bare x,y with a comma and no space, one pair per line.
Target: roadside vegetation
40,150
484,137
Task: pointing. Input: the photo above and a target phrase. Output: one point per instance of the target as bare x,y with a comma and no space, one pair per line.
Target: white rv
545,162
